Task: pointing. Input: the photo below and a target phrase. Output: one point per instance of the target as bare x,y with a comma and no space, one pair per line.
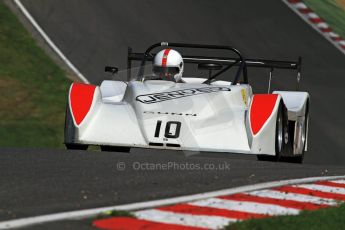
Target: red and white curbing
218,212
316,22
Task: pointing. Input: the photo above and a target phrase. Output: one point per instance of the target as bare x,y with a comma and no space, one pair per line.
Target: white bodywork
211,117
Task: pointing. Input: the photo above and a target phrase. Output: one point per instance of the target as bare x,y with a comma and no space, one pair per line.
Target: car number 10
172,129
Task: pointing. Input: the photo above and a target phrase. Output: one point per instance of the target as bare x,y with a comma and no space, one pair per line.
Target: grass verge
328,218
33,89
114,213
332,11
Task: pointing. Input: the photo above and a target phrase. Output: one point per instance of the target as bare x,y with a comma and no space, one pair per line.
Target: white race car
167,110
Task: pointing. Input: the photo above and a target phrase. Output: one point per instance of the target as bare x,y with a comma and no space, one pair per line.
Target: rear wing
251,63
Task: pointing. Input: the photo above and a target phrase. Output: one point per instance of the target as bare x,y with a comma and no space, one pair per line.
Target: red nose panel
81,97
261,110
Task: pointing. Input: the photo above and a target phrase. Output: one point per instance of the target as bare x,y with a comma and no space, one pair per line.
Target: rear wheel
300,140
281,135
108,148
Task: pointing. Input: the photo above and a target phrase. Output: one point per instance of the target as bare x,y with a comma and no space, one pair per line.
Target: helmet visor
166,71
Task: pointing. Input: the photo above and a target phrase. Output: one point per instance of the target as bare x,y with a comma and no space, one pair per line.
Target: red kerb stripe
329,183
305,10
165,57
128,223
326,30
294,1
310,192
197,210
336,39
274,201
315,20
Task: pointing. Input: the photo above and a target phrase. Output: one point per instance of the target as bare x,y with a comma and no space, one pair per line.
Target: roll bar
238,61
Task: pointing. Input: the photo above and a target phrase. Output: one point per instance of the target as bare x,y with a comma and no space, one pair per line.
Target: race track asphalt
42,181
96,33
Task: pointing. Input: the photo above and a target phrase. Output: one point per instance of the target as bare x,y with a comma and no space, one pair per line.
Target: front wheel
281,135
108,148
76,146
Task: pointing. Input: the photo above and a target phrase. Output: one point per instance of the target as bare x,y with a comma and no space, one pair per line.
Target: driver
168,65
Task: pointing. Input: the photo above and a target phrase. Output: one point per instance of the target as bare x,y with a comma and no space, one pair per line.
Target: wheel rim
280,133
303,129
301,136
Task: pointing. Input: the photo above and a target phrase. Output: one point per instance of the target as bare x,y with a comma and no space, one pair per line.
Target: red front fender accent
261,109
80,99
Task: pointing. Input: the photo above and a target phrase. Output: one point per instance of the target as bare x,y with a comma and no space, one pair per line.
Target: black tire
281,136
108,148
76,146
266,158
70,133
69,127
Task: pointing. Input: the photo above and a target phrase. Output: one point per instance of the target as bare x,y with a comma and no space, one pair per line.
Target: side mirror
111,69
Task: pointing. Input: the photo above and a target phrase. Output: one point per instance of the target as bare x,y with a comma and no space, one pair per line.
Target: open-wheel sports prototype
162,108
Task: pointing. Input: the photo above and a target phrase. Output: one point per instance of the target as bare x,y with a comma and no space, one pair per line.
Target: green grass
33,89
115,213
329,218
331,12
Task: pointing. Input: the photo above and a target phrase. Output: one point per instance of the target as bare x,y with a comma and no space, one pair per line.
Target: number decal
158,128
172,129
172,134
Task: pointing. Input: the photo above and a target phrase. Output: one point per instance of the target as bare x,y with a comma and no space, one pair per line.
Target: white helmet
168,64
